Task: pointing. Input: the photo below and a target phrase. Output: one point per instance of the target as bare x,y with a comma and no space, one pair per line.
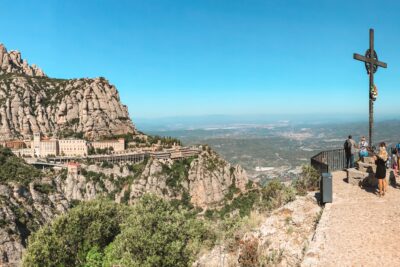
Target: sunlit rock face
31,102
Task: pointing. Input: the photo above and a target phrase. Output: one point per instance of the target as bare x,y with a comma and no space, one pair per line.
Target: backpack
398,147
348,145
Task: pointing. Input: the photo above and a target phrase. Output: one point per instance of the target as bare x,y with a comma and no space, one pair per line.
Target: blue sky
179,58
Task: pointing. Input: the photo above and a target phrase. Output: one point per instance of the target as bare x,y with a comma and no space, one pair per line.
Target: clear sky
174,58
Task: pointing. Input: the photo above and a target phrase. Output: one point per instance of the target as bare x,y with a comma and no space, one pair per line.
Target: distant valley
276,149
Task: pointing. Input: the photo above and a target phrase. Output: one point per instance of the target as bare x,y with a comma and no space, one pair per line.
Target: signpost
371,64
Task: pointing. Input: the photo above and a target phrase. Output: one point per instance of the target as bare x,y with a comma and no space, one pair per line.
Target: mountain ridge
32,102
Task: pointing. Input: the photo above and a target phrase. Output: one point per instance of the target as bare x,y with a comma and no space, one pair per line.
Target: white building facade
73,147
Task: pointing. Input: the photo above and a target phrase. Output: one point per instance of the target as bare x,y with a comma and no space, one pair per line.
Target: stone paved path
357,229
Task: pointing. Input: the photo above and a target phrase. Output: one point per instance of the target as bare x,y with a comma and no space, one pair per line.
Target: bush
308,180
248,256
15,169
244,203
103,233
106,164
156,234
44,188
97,177
164,141
178,172
70,237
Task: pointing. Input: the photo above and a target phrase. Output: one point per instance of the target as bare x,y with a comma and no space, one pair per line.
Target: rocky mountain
203,181
30,102
11,62
26,204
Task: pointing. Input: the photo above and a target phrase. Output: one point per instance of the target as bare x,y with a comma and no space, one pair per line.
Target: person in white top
363,146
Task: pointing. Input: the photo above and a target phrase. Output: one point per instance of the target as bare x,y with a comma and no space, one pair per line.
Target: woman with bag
380,161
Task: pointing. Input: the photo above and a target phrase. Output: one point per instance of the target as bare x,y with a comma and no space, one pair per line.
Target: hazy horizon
249,120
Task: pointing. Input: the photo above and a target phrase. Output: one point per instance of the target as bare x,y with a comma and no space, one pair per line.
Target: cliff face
202,182
280,238
31,102
22,211
205,179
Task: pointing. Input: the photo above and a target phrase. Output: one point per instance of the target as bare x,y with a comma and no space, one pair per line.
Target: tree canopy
104,233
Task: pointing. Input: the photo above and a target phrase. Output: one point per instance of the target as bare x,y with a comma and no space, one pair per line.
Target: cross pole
371,64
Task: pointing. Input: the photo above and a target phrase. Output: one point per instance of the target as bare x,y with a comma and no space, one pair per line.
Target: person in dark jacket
350,150
380,161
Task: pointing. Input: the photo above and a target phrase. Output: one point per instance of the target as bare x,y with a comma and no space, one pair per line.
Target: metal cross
371,64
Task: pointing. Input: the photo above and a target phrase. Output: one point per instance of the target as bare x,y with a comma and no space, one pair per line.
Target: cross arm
360,57
369,60
381,64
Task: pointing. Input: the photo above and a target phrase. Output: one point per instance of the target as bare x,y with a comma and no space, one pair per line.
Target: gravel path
357,229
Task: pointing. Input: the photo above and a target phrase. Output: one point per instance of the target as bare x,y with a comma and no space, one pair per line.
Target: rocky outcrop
280,240
22,211
206,181
11,62
210,178
31,102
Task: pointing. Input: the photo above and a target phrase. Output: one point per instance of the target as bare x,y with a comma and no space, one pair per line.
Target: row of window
73,148
72,141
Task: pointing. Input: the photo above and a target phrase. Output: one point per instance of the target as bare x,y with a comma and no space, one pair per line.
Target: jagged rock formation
206,180
210,178
280,240
31,102
22,211
203,181
11,62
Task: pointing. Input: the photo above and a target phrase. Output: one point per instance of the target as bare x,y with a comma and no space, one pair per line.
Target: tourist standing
395,162
380,161
398,156
363,146
350,150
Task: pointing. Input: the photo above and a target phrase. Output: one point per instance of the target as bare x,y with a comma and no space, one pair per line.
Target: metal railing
329,160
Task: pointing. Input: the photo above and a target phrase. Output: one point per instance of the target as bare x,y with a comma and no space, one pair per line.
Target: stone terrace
357,229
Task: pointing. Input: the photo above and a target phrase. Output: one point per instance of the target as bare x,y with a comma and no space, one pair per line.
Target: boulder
369,160
366,167
356,177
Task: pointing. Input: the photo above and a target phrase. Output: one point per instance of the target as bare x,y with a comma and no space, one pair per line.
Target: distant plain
274,149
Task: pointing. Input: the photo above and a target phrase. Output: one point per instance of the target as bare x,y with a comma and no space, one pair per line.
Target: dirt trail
357,229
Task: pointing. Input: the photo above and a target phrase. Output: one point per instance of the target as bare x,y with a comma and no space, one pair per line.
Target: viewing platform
358,228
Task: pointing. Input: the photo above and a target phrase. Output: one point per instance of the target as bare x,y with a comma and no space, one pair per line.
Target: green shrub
96,177
44,188
69,238
276,194
177,173
106,164
244,203
102,233
94,258
15,169
156,234
308,180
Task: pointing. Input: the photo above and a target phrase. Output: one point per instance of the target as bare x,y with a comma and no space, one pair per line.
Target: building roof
73,164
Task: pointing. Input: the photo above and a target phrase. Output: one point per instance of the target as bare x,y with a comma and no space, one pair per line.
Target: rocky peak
31,102
11,62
